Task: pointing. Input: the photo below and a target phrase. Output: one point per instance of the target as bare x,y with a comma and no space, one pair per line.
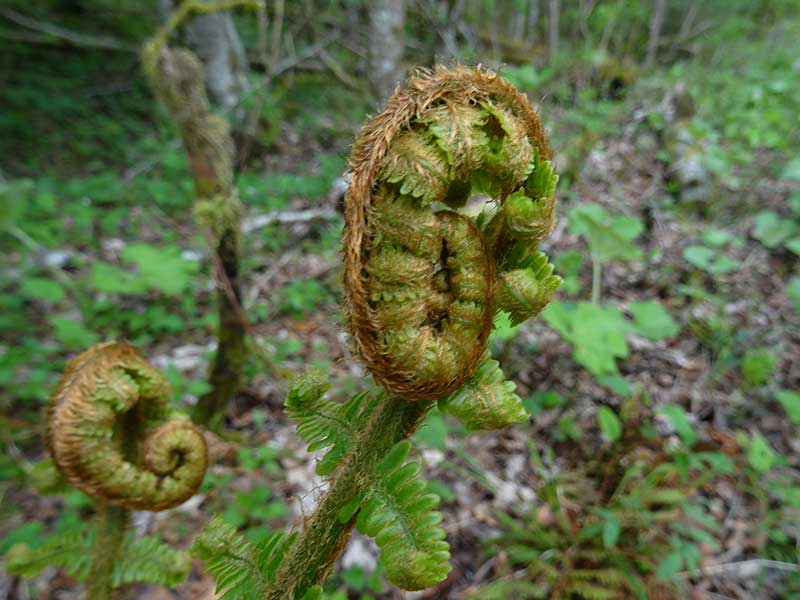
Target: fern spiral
423,280
111,434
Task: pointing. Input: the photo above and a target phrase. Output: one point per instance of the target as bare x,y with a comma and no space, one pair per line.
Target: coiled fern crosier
111,434
451,191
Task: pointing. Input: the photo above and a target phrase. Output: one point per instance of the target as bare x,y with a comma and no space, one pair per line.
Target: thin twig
73,37
743,569
227,288
300,216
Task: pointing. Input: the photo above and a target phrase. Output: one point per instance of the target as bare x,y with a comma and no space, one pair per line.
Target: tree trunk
213,37
656,21
386,41
448,45
532,21
554,10
209,146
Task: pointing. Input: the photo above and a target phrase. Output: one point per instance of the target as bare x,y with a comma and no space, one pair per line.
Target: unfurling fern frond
398,513
70,551
487,400
150,560
324,423
241,569
422,287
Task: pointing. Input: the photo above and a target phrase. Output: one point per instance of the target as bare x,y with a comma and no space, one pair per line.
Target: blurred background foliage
673,353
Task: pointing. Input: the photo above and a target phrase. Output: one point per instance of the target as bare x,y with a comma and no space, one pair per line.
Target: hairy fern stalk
451,192
111,434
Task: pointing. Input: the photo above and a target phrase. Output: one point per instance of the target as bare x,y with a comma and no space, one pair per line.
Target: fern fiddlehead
425,274
423,281
111,434
157,461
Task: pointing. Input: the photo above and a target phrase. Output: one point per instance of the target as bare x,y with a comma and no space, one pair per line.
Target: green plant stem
112,522
597,275
310,558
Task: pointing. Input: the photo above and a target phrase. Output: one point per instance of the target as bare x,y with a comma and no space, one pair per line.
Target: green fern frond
504,589
487,400
242,570
71,551
323,423
150,560
46,479
399,514
591,591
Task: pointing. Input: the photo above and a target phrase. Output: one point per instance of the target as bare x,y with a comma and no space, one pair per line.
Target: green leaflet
323,423
399,514
71,551
146,559
526,290
541,183
487,400
241,569
150,560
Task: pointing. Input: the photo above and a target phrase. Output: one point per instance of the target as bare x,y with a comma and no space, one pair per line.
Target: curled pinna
450,193
111,434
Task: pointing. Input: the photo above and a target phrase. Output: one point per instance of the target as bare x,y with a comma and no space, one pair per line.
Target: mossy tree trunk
180,84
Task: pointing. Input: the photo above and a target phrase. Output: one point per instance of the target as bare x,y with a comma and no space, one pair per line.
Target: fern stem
112,522
310,558
597,280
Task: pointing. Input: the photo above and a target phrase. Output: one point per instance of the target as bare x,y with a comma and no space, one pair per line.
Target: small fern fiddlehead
423,281
111,434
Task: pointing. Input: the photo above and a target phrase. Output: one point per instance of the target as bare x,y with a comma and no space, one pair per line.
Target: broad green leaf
792,170
680,422
609,237
760,455
718,237
162,269
771,229
616,383
597,333
111,280
543,400
610,424
568,265
652,321
757,366
709,260
41,288
72,333
791,404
